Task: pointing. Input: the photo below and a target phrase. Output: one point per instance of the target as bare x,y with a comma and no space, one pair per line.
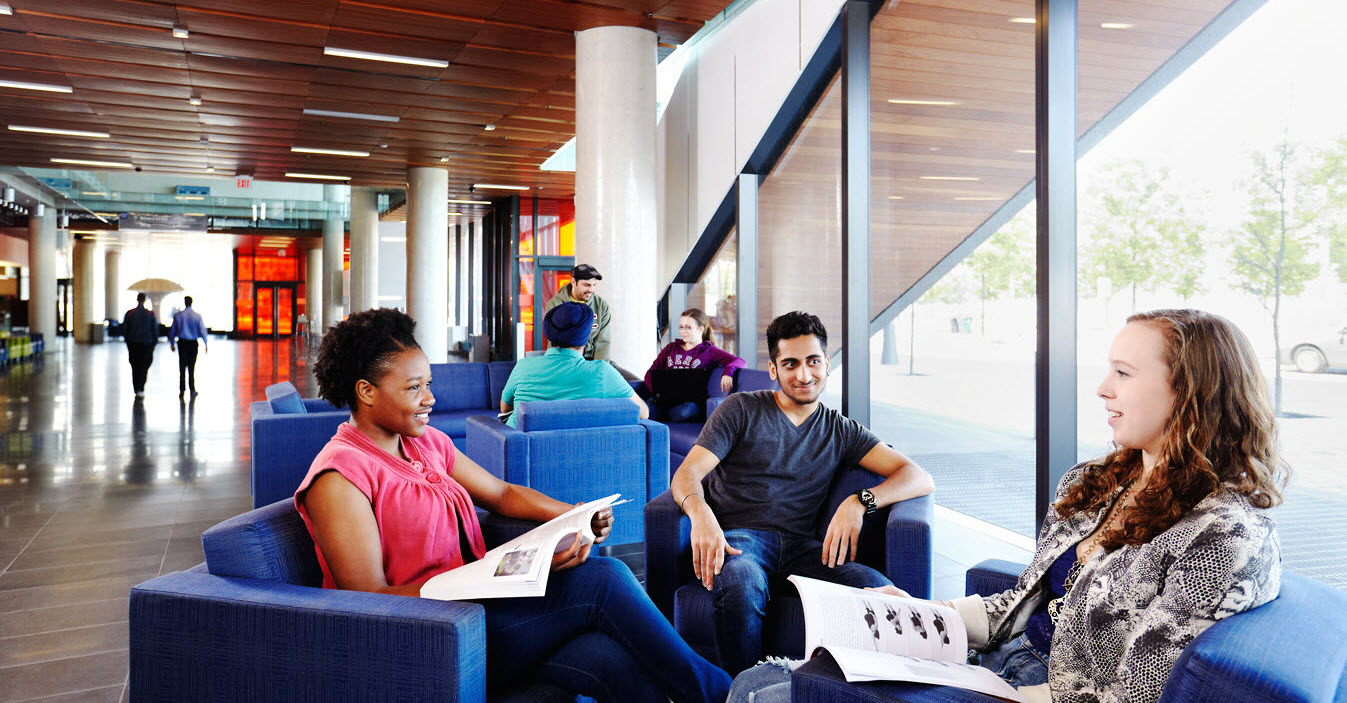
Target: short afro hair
795,324
361,347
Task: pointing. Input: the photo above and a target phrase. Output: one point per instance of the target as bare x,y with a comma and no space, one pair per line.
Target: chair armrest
713,403
496,446
498,529
318,405
657,459
907,545
668,551
197,636
992,576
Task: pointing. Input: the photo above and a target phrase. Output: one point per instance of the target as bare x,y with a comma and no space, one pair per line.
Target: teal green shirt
562,374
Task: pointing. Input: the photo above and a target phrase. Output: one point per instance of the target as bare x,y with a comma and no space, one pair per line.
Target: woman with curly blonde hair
1147,546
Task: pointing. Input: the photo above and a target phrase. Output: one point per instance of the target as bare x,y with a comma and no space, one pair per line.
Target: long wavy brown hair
1222,432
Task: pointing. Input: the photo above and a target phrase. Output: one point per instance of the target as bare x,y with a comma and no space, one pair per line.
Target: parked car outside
1319,352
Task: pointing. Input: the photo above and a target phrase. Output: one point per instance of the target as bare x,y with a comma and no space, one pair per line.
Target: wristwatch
867,498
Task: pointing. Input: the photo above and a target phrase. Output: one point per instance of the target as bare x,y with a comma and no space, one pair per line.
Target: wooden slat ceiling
256,64
967,52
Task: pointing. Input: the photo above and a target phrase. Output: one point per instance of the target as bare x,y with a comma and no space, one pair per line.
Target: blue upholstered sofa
254,624
895,540
1291,650
288,431
577,450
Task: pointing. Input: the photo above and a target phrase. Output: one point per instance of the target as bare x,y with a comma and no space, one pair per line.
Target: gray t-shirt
772,474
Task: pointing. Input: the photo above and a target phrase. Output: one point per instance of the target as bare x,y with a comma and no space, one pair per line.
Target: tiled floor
99,492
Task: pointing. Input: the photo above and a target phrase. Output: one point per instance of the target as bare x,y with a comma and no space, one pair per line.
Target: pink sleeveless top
417,504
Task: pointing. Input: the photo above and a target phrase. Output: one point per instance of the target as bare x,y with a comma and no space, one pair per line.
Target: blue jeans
596,633
741,590
685,412
1016,661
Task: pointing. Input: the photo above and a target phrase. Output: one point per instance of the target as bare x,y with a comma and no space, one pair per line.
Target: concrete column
112,284
82,293
427,252
364,249
615,214
334,246
313,290
42,276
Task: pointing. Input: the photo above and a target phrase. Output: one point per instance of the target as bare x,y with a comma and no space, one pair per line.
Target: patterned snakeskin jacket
1133,610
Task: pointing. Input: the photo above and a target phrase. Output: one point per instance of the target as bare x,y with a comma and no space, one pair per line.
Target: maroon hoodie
703,356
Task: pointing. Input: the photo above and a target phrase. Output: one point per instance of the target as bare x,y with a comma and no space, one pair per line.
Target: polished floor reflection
100,491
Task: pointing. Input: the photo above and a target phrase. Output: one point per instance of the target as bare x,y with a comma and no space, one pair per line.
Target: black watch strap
867,499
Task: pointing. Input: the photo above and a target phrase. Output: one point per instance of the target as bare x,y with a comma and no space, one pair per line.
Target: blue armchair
1291,650
287,433
575,450
254,624
895,540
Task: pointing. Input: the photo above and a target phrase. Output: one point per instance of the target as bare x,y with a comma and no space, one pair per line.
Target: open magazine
877,637
518,568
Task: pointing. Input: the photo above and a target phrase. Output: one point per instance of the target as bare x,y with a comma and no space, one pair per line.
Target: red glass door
265,310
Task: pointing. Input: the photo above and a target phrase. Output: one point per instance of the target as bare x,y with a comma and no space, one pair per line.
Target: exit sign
245,181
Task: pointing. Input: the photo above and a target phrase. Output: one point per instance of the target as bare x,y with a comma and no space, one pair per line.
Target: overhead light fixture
106,214
1023,20
318,176
949,178
490,128
1025,151
895,197
41,210
210,169
65,132
455,214
390,58
350,115
194,100
470,202
24,85
1116,25
5,9
333,152
194,214
980,198
84,162
8,196
190,197
923,102
94,193
444,159
180,33
493,186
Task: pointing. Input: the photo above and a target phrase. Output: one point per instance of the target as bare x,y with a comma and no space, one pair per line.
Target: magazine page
518,568
861,665
841,616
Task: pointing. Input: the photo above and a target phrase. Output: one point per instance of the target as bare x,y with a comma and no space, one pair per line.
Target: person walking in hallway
141,332
187,329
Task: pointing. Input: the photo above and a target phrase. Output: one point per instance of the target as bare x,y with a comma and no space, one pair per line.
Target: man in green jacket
583,288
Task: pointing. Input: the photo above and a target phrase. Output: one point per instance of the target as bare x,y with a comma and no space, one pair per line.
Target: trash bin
97,333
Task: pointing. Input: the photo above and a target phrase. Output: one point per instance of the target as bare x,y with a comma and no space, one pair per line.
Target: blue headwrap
569,324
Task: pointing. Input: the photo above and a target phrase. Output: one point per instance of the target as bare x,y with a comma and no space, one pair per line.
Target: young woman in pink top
389,504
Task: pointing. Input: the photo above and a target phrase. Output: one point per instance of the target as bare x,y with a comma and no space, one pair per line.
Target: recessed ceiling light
471,202
949,178
5,9
444,159
350,115
454,214
1025,151
94,193
180,33
333,152
390,58
24,85
980,198
53,130
210,169
83,162
190,197
1116,25
318,175
1023,20
194,100
895,197
492,186
490,128
923,102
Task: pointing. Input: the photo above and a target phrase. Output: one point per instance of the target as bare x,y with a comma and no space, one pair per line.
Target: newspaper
519,568
878,637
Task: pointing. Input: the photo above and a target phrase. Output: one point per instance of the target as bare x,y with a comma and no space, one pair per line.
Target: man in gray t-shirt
771,456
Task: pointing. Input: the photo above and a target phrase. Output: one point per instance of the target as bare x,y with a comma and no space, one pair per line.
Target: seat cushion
455,422
547,415
683,435
284,399
461,386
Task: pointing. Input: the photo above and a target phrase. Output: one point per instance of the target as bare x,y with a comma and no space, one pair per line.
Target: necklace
1115,513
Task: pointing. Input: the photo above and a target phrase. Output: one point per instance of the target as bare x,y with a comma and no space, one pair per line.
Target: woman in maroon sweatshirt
696,349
